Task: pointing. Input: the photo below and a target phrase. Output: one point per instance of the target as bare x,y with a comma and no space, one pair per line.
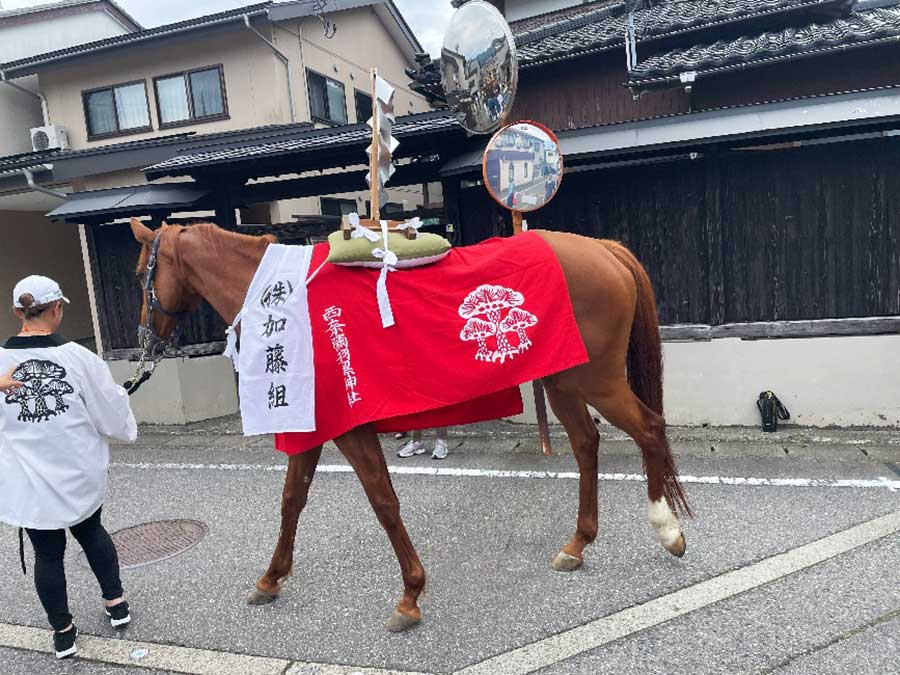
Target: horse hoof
679,548
258,597
563,562
400,622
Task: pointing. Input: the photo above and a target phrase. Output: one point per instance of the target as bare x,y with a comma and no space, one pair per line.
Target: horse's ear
141,232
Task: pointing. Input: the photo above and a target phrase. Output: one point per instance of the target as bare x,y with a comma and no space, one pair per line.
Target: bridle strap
153,347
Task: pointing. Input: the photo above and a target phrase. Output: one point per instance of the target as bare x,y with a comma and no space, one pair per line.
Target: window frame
356,105
336,200
118,132
316,118
192,120
388,209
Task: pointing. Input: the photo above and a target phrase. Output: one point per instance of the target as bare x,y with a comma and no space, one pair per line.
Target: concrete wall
360,43
182,391
852,381
839,381
19,112
20,39
255,84
36,34
34,245
255,81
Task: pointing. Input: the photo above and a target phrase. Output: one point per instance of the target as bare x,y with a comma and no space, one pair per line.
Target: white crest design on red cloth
494,312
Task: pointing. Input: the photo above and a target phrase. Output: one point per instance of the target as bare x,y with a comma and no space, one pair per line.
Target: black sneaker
64,643
119,617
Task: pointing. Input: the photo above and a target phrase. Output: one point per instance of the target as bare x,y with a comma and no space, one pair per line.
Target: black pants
49,569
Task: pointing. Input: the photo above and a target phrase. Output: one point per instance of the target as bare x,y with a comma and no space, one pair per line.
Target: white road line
565,645
174,659
877,483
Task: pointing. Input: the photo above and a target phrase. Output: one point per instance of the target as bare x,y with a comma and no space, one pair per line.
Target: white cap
43,289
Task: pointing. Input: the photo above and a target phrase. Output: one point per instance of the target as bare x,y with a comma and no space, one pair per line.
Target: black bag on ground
771,410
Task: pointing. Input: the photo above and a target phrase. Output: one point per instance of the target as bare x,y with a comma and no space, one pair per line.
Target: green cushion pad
425,248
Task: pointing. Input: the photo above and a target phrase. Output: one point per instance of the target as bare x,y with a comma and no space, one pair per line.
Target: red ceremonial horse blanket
469,329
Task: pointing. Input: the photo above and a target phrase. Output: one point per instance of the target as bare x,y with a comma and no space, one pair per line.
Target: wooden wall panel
812,233
587,92
750,236
859,69
659,212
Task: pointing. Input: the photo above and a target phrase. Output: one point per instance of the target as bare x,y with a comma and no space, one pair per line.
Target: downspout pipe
45,108
29,177
284,59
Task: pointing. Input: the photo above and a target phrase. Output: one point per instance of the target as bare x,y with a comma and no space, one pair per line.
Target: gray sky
428,18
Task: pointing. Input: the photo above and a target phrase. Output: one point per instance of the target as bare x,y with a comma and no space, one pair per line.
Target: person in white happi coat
58,404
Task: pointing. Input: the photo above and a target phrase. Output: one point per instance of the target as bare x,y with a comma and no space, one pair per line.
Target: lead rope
22,551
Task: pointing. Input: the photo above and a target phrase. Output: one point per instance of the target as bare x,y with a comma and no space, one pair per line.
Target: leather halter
153,347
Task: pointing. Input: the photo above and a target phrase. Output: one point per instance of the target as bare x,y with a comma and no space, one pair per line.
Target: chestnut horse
615,311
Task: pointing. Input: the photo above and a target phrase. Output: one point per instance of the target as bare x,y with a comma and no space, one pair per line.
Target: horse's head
168,295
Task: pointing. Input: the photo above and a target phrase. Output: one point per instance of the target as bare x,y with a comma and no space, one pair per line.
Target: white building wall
34,245
182,390
19,112
835,381
840,382
21,40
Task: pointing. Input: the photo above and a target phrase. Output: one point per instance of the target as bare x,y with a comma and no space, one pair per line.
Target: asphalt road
788,569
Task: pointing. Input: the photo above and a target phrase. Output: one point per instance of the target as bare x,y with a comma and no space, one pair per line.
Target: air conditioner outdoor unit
49,138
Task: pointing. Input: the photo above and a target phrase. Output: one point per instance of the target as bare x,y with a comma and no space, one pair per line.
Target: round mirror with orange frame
523,166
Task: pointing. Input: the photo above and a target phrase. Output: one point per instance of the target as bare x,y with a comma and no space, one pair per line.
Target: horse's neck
223,269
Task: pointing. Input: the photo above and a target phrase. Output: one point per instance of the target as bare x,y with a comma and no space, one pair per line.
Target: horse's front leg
363,450
300,472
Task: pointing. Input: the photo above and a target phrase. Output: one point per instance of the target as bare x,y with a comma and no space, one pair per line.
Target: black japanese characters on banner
274,297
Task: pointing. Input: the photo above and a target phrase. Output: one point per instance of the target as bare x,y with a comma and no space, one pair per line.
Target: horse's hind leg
363,450
618,404
301,469
571,410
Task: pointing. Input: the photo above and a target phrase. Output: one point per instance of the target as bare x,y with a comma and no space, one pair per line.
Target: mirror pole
540,402
517,222
375,185
540,408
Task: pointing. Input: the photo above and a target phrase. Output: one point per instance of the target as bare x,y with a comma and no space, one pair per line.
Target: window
193,96
363,106
327,102
121,109
386,210
337,207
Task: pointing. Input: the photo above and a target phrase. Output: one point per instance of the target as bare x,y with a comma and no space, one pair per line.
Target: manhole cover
153,542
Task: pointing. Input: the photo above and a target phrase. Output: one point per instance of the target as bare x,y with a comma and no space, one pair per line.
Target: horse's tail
645,368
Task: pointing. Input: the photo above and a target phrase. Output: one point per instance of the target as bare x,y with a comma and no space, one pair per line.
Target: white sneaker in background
440,449
410,448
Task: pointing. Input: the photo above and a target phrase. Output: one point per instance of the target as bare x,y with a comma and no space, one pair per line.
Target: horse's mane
214,236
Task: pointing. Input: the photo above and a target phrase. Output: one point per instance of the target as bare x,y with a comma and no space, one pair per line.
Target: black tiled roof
602,27
26,160
534,23
355,135
859,29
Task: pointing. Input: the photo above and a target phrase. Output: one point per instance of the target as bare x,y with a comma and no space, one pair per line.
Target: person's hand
8,385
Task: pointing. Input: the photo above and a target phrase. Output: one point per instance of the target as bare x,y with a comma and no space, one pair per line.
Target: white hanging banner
277,371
